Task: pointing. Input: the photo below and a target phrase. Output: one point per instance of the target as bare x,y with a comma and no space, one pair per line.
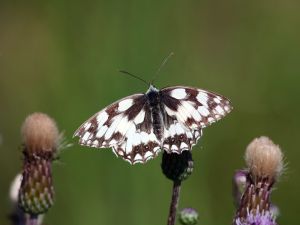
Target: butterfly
139,126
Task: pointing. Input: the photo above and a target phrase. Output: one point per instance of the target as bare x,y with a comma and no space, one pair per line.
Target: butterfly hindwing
140,144
187,111
178,137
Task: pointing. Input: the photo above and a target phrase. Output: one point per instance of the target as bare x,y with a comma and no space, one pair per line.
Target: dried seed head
264,158
40,133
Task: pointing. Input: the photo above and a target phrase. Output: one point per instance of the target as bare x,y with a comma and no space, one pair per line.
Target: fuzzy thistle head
41,139
40,133
264,158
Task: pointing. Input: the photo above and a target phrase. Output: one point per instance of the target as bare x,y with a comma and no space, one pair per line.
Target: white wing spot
87,126
101,118
112,127
125,104
178,93
123,126
156,149
174,147
202,98
95,143
138,157
217,100
170,111
203,111
226,107
101,131
183,145
86,136
148,154
190,108
140,117
220,110
218,116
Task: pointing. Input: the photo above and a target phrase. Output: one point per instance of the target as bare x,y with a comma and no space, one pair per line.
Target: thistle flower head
265,163
40,133
264,158
41,140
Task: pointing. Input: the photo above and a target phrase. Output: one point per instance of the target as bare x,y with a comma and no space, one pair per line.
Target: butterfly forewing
195,108
109,126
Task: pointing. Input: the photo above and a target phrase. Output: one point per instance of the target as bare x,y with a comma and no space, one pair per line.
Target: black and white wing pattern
139,126
187,111
126,126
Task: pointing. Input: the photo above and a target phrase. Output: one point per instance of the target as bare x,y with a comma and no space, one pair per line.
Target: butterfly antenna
166,59
132,75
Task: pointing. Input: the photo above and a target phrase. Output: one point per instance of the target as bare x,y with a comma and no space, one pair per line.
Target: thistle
264,160
40,144
188,216
176,167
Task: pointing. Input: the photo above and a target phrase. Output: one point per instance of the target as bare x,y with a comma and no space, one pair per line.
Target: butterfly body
154,100
137,127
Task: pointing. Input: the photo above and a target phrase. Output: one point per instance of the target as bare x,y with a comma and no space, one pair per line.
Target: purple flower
257,218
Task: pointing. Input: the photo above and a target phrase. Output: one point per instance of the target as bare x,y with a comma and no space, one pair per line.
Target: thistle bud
188,216
40,139
177,167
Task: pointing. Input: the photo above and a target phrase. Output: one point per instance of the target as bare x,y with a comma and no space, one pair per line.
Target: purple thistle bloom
264,218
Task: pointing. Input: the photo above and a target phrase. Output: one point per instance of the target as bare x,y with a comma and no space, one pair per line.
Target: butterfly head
152,88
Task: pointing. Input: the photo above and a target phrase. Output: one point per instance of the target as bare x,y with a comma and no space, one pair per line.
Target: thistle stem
174,202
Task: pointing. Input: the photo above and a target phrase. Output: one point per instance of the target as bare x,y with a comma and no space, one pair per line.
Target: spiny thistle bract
40,142
264,160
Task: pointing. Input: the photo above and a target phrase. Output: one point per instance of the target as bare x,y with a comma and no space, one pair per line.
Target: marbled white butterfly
137,127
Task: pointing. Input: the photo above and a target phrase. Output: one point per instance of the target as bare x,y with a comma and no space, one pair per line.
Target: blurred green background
61,58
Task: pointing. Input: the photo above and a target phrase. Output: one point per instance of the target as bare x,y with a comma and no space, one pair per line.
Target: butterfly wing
187,111
140,143
108,127
126,126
